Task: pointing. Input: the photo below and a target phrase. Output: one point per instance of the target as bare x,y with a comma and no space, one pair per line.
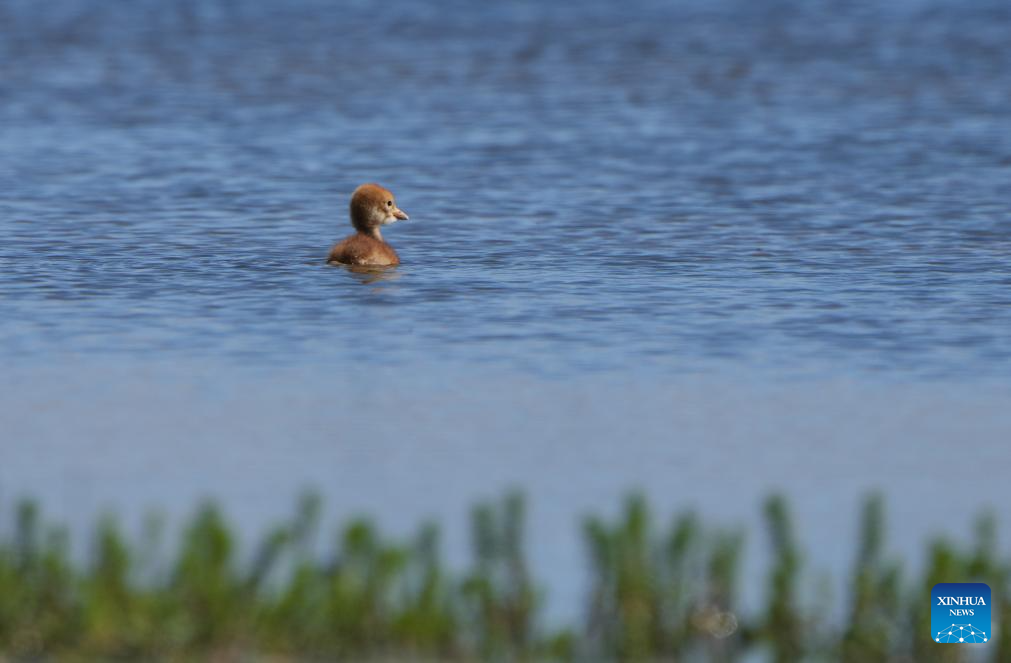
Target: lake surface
704,250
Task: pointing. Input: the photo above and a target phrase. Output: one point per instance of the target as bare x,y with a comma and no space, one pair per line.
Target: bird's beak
400,214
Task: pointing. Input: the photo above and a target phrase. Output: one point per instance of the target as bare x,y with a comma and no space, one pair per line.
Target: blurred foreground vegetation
655,593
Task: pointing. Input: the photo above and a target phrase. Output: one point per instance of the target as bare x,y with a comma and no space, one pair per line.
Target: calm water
703,249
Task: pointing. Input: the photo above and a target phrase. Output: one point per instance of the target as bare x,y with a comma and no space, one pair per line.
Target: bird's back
360,249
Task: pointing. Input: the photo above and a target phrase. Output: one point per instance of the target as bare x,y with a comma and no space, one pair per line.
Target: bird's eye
389,203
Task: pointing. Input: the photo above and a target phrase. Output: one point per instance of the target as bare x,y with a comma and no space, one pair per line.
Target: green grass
654,593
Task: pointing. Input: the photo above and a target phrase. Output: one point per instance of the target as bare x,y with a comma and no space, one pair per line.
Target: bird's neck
372,232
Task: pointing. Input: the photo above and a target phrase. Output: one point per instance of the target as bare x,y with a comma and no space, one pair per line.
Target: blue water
703,250
665,185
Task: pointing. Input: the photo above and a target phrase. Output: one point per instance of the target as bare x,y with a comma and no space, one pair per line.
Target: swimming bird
372,206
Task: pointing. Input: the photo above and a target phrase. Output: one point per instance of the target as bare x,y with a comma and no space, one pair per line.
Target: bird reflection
370,274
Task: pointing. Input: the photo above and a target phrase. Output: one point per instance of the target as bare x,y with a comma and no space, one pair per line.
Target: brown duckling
372,206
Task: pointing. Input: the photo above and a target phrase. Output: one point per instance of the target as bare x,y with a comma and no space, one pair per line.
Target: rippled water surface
806,186
616,208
